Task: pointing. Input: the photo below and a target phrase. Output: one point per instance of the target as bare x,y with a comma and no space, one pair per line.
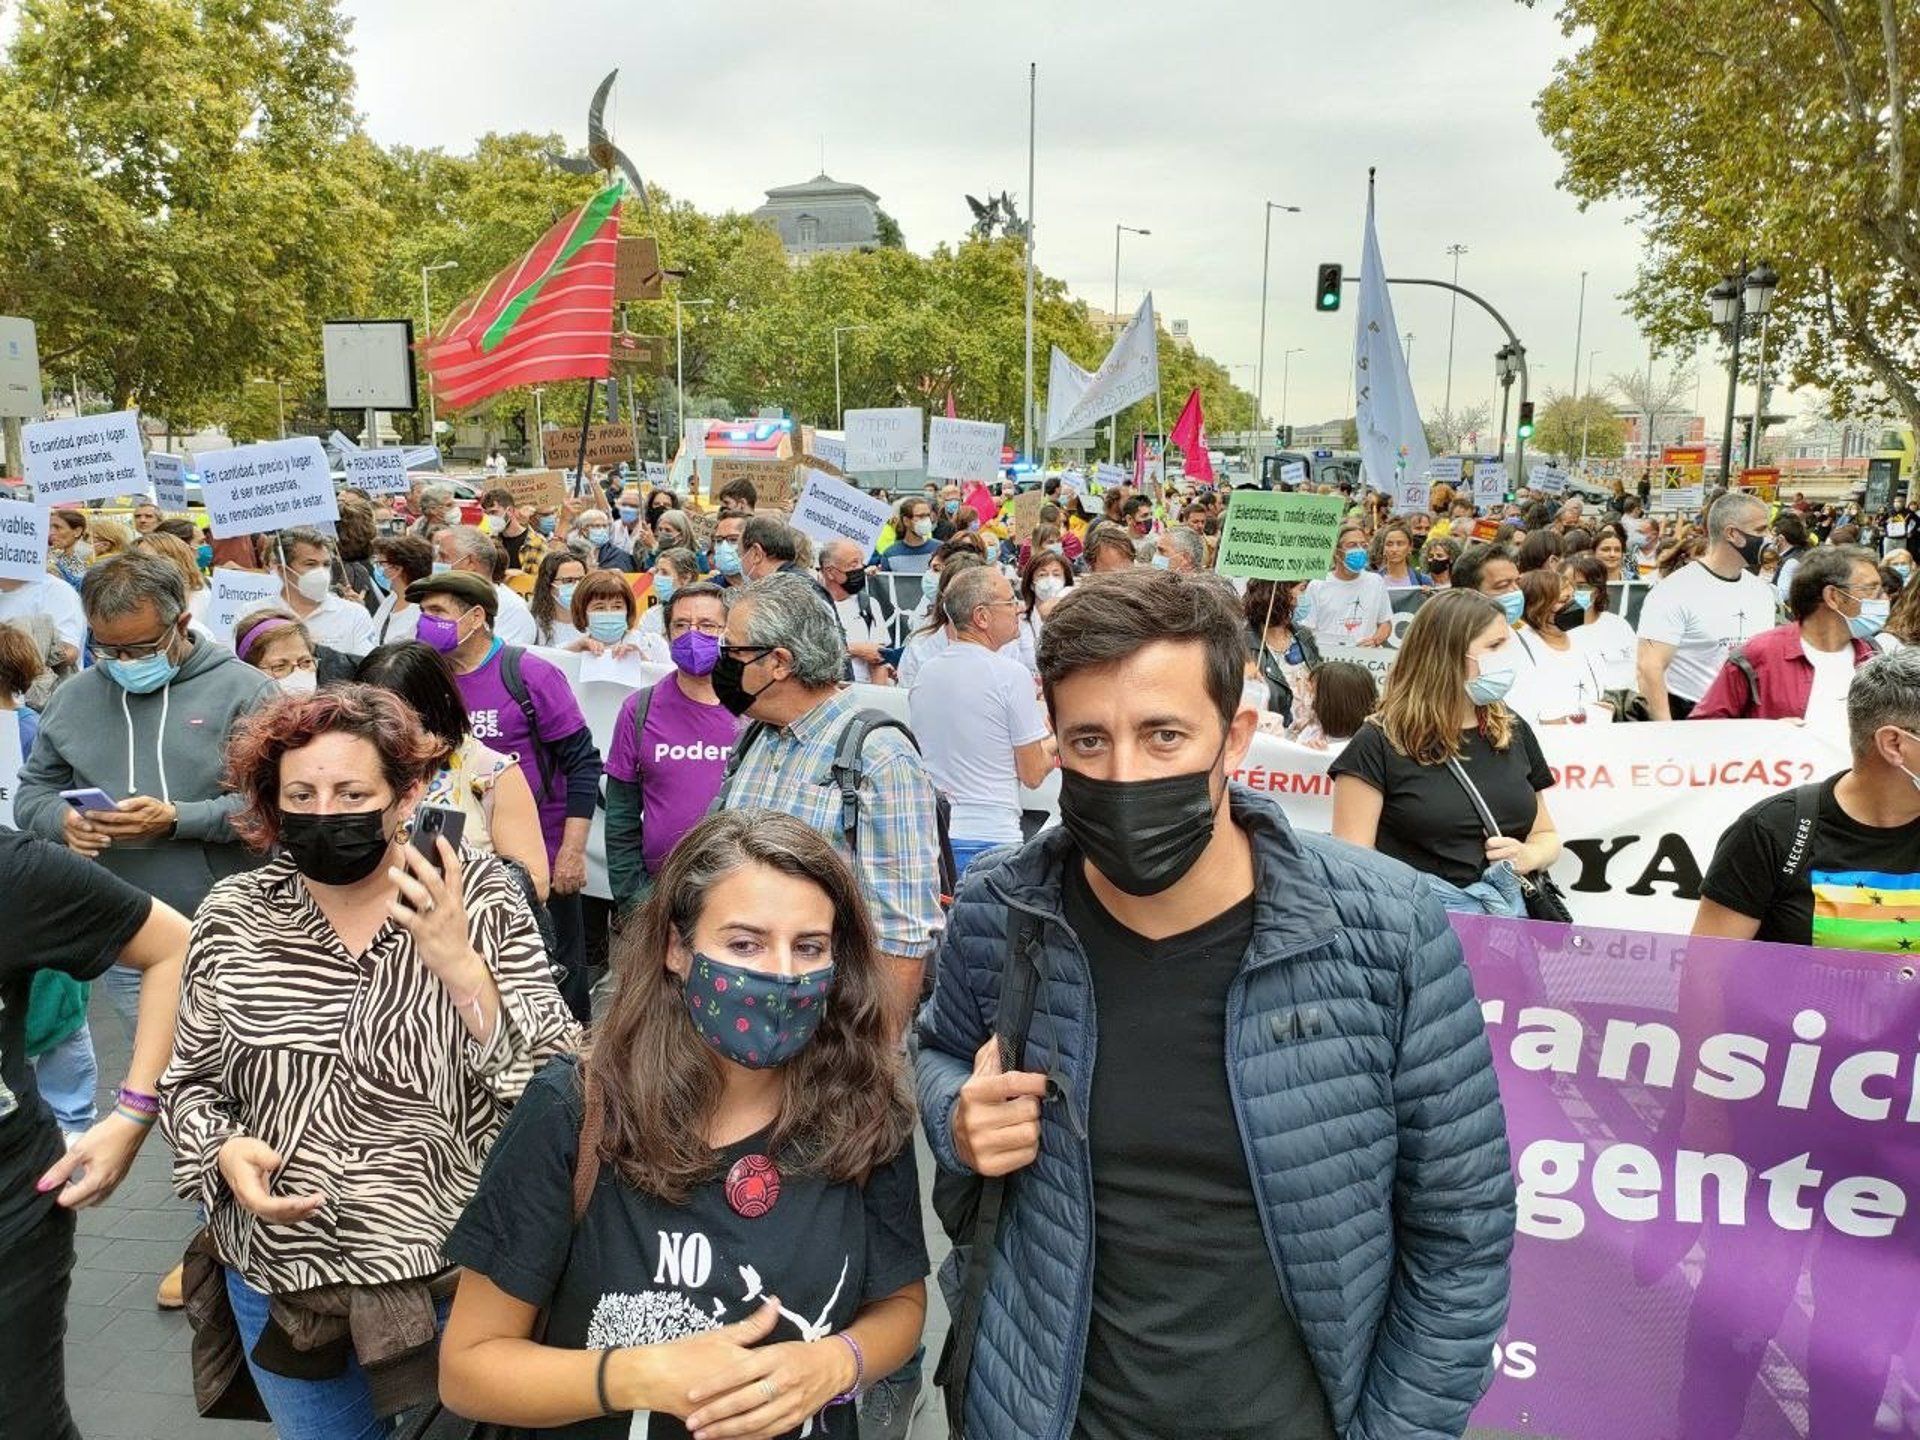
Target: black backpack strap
1019,986
1806,819
640,709
1739,661
755,729
848,769
516,686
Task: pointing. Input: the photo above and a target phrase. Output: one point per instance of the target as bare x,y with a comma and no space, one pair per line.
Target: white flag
1131,372
1392,442
1066,383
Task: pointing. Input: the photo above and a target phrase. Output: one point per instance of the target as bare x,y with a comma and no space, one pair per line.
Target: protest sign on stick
86,457
236,593
884,440
1279,535
1489,485
270,486
538,489
23,541
964,449
830,509
378,472
772,480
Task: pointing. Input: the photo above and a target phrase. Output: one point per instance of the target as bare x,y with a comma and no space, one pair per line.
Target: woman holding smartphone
749,1254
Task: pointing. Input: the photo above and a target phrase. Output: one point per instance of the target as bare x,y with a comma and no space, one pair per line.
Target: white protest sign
88,457
964,449
833,451
656,473
1489,485
378,472
830,509
10,758
1106,477
270,486
23,541
1070,485
1412,494
1445,470
1547,479
1293,472
237,593
169,476
883,440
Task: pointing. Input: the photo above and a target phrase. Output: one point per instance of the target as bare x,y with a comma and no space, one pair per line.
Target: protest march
553,896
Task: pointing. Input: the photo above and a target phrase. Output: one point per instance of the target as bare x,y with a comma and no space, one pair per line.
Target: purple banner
1715,1145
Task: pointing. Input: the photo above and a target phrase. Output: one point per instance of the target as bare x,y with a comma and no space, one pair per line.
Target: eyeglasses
1871,591
715,628
752,652
280,669
141,650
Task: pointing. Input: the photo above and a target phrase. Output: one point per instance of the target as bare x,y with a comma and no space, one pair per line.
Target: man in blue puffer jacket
1259,1173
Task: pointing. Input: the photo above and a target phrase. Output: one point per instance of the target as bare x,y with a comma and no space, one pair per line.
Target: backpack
516,684
848,771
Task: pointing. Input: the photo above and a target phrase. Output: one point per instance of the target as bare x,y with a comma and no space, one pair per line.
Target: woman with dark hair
1440,553
398,561
717,1211
1047,576
1538,549
1400,786
1606,639
356,1020
1344,695
355,532
1561,680
674,569
1392,557
1284,649
606,616
559,575
489,788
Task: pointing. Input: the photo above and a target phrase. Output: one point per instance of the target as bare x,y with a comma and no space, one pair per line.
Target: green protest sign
1279,534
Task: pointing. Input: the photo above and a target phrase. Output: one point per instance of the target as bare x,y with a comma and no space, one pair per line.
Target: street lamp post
1586,410
426,324
1456,250
1266,251
1113,425
679,361
1286,371
1505,368
839,413
539,429
1743,293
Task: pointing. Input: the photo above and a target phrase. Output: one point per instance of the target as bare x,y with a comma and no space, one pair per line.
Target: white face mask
1049,587
299,682
315,584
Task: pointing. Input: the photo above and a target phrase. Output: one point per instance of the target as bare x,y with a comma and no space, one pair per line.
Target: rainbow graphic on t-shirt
1866,910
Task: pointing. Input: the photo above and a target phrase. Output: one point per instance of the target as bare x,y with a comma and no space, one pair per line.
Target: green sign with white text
1279,534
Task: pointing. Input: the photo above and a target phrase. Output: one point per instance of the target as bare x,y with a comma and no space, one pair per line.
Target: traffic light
1327,292
1526,419
653,423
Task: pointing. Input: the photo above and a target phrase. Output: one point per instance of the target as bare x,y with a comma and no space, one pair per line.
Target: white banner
1107,477
87,457
1130,373
964,449
1412,495
237,593
830,509
378,472
1547,479
883,440
168,473
10,761
23,541
1392,441
1489,485
274,485
827,448
1066,383
1293,472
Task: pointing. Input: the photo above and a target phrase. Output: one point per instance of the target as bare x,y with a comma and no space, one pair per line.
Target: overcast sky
1178,119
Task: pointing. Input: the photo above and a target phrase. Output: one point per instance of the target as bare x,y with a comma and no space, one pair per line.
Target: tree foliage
1571,425
1789,132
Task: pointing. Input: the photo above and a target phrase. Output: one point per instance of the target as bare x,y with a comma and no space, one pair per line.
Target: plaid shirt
791,770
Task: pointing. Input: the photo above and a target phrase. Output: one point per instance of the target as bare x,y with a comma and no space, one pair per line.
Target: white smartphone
90,799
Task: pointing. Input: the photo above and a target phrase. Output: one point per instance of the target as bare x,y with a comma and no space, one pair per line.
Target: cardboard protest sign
378,472
237,593
1279,535
87,457
964,449
606,445
772,480
1489,484
23,540
270,486
537,489
830,509
1026,514
815,461
884,439
169,476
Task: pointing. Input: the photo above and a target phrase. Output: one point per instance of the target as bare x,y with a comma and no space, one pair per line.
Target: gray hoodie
170,745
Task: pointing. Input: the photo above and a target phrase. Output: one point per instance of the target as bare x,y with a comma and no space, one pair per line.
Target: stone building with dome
824,214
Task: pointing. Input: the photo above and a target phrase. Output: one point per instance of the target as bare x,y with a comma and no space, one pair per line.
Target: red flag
1190,434
547,316
1139,459
952,414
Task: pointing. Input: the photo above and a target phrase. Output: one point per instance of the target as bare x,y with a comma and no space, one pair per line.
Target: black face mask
335,849
1570,617
1142,835
1750,547
854,581
730,682
1439,564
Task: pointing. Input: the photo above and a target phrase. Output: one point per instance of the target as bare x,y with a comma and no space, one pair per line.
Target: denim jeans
67,1077
337,1409
1496,892
965,852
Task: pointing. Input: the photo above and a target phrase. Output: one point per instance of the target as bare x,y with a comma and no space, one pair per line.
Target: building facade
822,214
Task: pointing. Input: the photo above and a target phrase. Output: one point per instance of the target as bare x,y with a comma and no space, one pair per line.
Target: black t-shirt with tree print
638,1271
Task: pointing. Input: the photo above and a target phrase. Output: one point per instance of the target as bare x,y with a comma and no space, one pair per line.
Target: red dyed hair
264,738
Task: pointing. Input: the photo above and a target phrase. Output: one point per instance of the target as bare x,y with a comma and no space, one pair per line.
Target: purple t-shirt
499,724
678,763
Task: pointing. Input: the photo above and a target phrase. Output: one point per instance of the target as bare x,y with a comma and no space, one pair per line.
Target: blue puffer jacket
1365,1096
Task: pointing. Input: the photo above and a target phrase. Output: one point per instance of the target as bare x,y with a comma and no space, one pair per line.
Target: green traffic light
1328,301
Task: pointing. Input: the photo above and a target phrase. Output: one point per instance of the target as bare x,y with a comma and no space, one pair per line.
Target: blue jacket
1364,1091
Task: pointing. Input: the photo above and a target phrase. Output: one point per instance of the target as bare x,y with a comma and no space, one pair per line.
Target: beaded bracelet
859,1370
138,1100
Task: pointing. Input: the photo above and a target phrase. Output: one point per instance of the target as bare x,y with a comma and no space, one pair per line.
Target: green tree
1789,132
1570,425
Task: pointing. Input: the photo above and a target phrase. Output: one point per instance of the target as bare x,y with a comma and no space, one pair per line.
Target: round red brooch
753,1186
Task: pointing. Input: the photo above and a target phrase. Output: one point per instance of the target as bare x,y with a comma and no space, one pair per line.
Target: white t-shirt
1562,683
860,631
971,709
1704,617
1832,678
342,625
53,598
919,649
1345,612
514,622
1611,644
391,627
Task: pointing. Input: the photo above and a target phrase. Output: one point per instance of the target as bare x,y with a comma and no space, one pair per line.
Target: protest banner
884,439
772,480
1278,534
1489,485
1412,494
821,463
23,540
1761,480
1547,479
537,489
606,445
1445,470
1683,470
1293,472
1131,372
1711,1143
168,475
237,593
270,486
1377,660
964,449
85,457
830,509
1107,477
378,472
10,761
833,452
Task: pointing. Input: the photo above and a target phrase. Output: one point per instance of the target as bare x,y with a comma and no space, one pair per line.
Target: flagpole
1026,448
586,419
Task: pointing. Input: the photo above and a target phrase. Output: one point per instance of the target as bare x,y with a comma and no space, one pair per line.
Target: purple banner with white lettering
1715,1146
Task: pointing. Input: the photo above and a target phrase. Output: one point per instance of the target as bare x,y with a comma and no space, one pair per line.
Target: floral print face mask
752,1018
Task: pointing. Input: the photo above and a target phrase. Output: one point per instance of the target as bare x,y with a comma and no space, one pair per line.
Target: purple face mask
439,634
695,652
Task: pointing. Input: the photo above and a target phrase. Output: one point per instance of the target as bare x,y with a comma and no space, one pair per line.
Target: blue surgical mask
609,627
1871,619
629,514
1583,597
663,588
1303,608
203,556
598,535
441,567
726,558
563,594
952,507
1514,603
380,581
1355,560
143,677
545,524
1492,683
1160,562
